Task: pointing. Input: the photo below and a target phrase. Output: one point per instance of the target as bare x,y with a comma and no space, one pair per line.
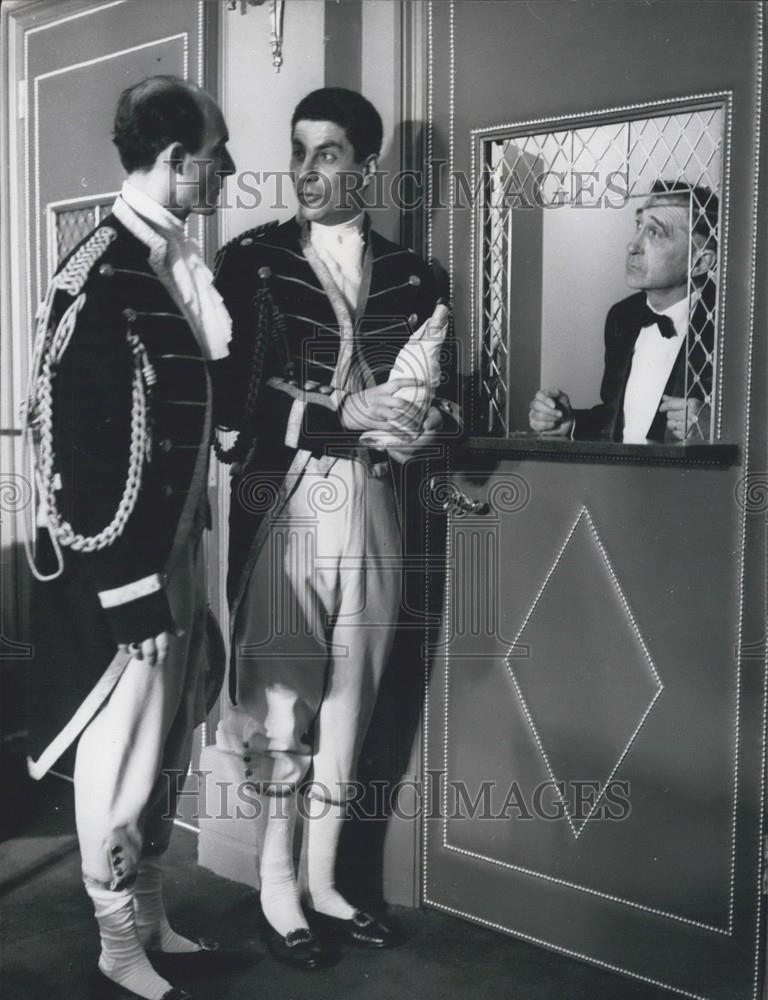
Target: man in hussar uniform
120,412
322,307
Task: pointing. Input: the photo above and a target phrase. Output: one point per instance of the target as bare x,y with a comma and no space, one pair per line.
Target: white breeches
132,756
315,629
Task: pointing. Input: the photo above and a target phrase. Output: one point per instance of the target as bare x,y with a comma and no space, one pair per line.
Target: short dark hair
703,203
350,111
153,114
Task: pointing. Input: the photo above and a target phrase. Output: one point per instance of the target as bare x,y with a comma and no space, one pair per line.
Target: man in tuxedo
658,336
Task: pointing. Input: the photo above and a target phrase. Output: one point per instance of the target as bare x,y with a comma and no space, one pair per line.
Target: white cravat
652,363
176,259
340,248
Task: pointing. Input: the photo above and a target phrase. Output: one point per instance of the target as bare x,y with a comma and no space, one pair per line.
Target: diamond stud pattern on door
586,694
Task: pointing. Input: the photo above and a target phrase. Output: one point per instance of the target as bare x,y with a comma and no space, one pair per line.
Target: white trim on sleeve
293,428
130,591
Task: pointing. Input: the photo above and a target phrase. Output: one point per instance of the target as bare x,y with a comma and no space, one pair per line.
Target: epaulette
74,274
250,236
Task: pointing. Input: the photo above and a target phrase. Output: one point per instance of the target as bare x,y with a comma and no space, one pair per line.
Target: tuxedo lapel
627,333
675,385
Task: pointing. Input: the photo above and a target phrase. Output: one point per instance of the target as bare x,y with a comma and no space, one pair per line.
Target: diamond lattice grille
72,226
592,167
72,223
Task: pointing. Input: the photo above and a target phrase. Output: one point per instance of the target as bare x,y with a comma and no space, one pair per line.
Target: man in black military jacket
321,307
121,414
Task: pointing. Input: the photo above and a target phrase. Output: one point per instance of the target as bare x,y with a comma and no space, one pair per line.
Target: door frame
752,458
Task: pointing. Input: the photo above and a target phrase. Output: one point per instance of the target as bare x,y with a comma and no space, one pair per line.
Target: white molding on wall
90,9
33,109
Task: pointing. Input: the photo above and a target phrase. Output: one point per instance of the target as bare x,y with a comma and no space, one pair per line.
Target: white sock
279,892
322,831
122,957
152,926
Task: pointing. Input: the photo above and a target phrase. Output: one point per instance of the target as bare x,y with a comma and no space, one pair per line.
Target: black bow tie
664,323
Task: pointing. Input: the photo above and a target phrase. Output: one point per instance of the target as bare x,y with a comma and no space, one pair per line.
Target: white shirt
340,248
652,363
176,260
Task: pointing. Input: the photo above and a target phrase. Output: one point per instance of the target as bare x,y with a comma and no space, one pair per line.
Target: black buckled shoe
300,949
104,988
210,957
361,929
